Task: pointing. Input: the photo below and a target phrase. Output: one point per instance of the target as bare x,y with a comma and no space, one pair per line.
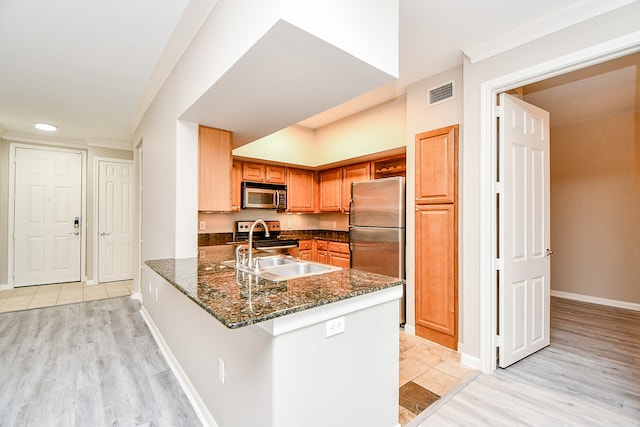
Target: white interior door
524,230
47,217
115,221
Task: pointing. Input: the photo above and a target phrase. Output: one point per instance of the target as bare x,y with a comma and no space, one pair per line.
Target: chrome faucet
266,234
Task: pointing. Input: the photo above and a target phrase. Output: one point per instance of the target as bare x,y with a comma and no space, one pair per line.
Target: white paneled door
115,220
47,217
524,233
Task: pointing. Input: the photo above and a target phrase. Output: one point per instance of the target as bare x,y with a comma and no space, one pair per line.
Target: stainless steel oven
257,195
274,243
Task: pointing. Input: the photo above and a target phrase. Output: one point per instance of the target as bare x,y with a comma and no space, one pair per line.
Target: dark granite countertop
240,299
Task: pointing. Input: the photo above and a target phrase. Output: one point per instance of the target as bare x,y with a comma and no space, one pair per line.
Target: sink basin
277,268
296,269
272,261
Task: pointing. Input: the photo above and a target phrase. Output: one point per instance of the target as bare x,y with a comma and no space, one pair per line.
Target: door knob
75,233
548,252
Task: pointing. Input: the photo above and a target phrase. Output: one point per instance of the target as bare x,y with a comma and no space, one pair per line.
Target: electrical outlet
333,224
203,225
335,326
221,370
289,224
156,294
201,254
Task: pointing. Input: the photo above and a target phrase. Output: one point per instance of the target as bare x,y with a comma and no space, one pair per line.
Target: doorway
46,218
115,220
488,140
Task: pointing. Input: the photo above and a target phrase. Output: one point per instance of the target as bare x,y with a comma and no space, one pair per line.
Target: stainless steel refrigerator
377,228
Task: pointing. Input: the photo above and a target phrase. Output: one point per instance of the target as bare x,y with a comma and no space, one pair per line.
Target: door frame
489,142
96,210
11,214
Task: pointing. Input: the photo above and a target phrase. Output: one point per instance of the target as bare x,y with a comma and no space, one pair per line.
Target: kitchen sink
277,268
294,270
272,261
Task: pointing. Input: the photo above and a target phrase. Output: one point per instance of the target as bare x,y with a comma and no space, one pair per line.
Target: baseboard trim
470,361
201,409
596,300
137,296
5,286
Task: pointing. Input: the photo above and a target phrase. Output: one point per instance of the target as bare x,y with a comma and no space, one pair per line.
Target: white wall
295,145
423,118
548,56
595,208
371,131
374,130
231,29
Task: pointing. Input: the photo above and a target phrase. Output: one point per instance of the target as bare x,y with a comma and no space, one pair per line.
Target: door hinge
498,264
499,111
499,341
499,188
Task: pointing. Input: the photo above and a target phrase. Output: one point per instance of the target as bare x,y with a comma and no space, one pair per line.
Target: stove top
241,234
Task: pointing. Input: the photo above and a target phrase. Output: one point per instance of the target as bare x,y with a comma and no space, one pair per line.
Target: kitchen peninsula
317,350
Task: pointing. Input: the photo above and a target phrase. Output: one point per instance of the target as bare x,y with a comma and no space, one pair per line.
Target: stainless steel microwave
258,195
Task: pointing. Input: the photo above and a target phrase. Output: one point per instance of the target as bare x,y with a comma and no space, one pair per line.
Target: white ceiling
86,65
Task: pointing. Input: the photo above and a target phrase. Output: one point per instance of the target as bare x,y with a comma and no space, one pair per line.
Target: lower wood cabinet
339,254
333,253
305,249
321,251
436,274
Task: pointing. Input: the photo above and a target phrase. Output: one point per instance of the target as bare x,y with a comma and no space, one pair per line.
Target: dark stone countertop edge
279,313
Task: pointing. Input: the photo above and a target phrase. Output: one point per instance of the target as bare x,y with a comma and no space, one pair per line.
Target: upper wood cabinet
301,189
214,169
331,190
387,167
236,179
259,172
353,173
436,153
335,186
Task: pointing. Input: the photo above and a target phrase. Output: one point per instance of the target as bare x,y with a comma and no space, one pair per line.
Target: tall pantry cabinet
436,224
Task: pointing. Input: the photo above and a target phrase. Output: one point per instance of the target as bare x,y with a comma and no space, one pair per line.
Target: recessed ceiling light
46,127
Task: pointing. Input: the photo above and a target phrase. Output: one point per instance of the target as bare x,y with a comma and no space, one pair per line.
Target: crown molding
117,145
66,142
188,27
559,19
36,139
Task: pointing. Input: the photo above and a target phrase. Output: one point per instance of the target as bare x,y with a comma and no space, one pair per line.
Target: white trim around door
11,214
96,214
488,140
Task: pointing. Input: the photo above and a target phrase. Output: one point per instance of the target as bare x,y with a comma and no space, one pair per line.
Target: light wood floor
588,376
89,364
28,297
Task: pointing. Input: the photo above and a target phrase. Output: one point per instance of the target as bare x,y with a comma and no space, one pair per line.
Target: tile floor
28,297
427,372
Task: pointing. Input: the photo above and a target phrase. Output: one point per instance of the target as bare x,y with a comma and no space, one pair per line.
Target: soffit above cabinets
286,76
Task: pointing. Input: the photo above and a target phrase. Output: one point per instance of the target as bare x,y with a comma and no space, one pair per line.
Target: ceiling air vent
441,93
